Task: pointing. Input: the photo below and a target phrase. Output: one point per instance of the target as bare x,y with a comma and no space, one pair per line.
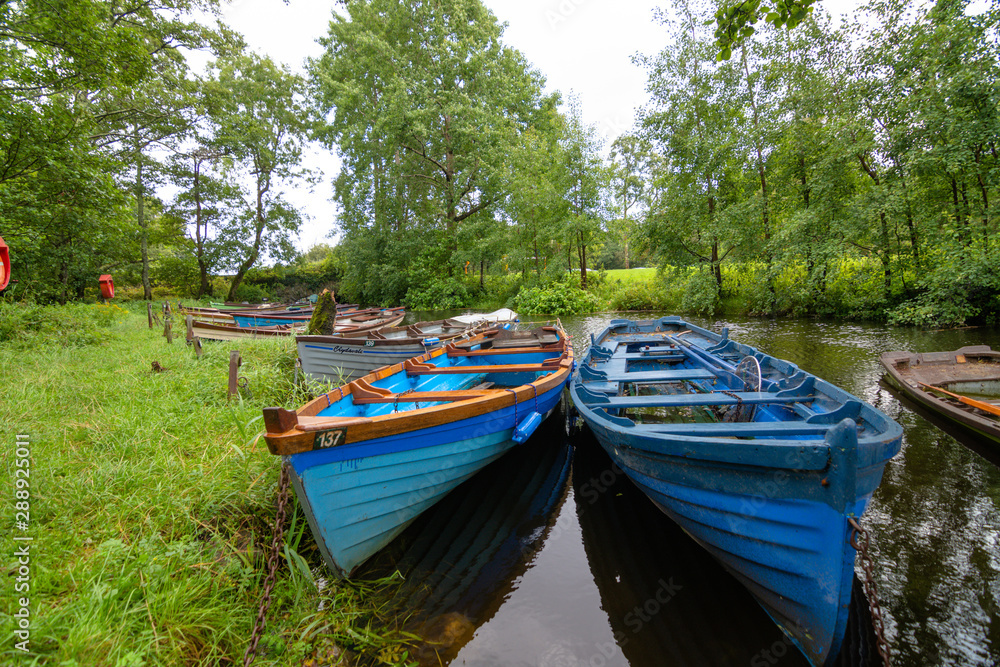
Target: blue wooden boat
368,457
760,462
390,316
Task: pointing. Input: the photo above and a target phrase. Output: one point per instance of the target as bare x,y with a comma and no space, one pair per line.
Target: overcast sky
580,46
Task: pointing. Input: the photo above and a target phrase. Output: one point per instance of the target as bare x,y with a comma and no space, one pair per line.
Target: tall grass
152,500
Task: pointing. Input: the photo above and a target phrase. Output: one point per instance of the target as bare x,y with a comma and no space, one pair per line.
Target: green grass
631,275
152,501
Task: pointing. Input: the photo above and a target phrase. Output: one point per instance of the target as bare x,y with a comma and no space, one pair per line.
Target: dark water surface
551,558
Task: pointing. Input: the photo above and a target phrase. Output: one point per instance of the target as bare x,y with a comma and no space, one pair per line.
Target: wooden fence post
149,312
234,372
190,327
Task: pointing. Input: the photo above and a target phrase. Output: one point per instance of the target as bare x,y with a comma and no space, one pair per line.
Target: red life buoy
107,286
4,265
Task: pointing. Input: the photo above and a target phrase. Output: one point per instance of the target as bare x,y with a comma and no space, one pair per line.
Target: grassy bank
151,501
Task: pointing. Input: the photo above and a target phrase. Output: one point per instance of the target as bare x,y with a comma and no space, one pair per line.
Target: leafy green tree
259,122
535,203
691,123
629,159
207,201
585,179
735,21
815,175
424,104
75,77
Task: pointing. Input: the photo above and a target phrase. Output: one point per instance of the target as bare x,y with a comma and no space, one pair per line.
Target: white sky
580,46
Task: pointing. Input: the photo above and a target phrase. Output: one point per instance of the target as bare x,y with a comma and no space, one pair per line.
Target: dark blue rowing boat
760,462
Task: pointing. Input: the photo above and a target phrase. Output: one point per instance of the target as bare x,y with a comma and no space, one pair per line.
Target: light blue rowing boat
763,464
368,457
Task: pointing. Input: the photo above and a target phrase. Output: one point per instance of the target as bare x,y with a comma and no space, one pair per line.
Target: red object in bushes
107,287
4,265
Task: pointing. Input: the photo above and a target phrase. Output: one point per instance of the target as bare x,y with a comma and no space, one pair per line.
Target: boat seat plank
677,375
506,368
423,396
687,400
665,355
519,342
734,429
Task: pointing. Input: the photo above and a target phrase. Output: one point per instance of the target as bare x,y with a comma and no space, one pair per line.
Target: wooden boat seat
588,374
519,342
659,356
689,400
739,429
423,396
417,369
461,349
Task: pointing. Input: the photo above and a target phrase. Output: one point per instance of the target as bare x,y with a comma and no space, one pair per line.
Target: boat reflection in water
668,601
463,557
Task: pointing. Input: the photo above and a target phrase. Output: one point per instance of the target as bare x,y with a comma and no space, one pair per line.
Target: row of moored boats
765,465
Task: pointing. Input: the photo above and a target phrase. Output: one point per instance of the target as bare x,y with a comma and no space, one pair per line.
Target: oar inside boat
981,405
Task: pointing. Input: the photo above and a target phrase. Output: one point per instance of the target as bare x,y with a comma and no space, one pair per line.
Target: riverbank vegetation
845,171
152,502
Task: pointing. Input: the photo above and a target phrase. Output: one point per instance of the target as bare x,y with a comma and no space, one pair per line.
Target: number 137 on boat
328,439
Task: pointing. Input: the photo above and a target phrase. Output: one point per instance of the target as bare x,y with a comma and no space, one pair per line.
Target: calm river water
550,558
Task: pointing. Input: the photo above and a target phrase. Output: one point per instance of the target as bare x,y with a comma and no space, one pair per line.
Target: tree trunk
716,265
255,251
324,317
140,212
204,287
534,241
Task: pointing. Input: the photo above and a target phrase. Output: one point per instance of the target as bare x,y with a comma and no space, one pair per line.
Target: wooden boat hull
221,331
770,499
354,317
359,323
345,357
208,315
365,466
371,493
979,373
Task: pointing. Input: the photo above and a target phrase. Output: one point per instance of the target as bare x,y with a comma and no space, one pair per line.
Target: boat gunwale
292,328
284,437
361,339
872,437
367,313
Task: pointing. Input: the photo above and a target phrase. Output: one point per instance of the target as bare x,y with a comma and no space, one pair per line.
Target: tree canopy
824,170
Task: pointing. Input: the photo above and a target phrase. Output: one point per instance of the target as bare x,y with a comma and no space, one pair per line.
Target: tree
207,200
736,21
629,158
259,122
78,77
692,124
585,178
425,105
535,203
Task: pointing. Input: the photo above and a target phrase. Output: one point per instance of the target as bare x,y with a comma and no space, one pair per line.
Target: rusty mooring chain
272,567
876,608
